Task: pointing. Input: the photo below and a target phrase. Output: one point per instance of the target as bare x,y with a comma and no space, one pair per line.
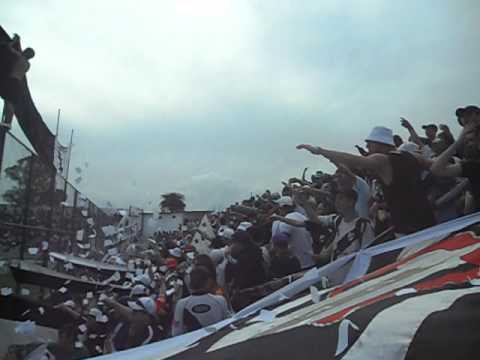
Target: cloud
211,97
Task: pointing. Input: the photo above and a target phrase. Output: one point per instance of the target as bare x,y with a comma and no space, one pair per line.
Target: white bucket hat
381,135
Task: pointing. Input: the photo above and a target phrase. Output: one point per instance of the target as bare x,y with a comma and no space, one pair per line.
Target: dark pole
28,191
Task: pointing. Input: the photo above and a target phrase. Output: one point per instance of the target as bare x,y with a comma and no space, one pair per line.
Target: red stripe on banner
472,258
455,242
340,315
452,278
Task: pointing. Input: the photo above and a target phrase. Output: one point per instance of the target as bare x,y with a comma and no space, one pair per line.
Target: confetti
25,292
79,235
89,295
78,344
82,328
33,251
63,290
41,310
6,291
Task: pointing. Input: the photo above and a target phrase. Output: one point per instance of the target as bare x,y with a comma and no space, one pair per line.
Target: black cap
430,126
460,112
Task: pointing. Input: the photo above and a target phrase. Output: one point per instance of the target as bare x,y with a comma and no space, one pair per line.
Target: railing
39,209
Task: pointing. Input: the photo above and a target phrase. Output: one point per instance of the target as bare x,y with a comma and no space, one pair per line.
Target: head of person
472,144
345,201
467,114
380,140
343,180
200,279
328,186
430,131
280,242
207,262
397,139
285,205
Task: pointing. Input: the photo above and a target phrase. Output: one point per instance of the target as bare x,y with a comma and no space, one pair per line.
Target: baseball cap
280,240
138,289
176,252
244,226
467,110
284,201
425,127
143,304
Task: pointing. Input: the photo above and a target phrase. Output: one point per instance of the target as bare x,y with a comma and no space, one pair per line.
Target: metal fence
39,209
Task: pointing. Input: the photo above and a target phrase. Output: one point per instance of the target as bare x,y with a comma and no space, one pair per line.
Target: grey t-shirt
207,309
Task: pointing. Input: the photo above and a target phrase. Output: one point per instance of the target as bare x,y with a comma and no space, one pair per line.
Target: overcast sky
210,97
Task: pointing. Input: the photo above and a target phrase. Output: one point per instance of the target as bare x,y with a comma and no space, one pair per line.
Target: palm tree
172,202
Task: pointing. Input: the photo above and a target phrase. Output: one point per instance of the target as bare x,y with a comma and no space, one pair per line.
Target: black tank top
406,198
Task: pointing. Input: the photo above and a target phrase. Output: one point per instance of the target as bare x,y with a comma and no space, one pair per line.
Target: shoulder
295,216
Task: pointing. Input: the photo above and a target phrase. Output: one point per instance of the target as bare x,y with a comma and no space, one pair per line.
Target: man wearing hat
399,173
470,113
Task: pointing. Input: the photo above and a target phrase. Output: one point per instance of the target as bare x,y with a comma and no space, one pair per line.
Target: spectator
347,180
300,240
399,173
470,167
282,263
201,308
245,263
430,133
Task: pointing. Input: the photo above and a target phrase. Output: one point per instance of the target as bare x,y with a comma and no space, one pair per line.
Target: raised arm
373,162
291,222
124,311
413,134
441,165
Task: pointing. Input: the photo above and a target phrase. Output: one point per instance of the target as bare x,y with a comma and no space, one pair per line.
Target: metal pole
28,191
69,155
58,123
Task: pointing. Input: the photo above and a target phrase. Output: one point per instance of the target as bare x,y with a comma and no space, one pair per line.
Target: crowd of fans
392,188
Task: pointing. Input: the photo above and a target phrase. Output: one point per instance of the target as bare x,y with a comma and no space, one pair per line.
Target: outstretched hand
316,150
405,123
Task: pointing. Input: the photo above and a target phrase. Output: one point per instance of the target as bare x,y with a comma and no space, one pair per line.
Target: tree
172,202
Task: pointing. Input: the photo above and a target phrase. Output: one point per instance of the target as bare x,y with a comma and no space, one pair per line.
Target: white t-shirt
218,258
363,191
346,232
208,309
300,241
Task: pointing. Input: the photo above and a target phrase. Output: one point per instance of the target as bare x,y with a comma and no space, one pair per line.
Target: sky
209,98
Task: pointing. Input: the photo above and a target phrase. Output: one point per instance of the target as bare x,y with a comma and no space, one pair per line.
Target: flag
423,305
61,158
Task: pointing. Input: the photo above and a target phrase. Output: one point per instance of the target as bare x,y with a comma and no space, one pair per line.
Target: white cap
143,304
244,226
138,289
408,147
381,134
285,201
176,252
144,279
226,232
